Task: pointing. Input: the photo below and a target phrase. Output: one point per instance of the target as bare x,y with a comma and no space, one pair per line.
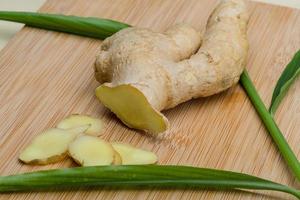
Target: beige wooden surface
44,76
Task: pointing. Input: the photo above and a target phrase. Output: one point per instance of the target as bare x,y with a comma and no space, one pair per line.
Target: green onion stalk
137,176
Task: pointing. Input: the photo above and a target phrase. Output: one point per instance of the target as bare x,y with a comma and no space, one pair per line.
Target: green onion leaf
139,176
286,79
84,26
270,124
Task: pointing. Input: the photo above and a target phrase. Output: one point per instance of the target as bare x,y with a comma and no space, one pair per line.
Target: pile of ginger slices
77,136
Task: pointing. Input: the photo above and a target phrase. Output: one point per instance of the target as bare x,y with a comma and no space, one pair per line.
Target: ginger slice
79,120
51,146
91,151
117,158
134,156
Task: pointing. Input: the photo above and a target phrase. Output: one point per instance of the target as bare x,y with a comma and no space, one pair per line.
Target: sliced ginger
71,138
134,156
75,120
50,146
91,151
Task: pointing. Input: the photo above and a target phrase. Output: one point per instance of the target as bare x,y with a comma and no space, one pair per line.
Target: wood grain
45,76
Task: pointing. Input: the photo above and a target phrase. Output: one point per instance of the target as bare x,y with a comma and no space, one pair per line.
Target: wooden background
45,76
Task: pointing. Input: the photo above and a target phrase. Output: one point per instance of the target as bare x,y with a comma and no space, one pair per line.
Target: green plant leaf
84,26
270,124
286,79
138,176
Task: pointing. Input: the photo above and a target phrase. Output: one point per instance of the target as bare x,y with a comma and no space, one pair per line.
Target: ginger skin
143,72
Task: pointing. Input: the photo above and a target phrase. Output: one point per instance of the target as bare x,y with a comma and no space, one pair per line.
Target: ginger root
143,72
51,146
91,151
134,156
75,120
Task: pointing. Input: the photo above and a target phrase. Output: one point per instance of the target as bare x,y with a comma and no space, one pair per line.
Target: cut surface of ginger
134,156
131,106
50,146
92,151
75,120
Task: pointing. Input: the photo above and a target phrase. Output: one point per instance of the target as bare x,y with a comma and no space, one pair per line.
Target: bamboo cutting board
45,76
